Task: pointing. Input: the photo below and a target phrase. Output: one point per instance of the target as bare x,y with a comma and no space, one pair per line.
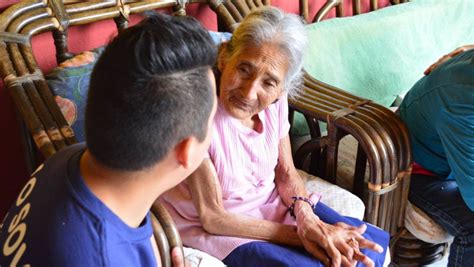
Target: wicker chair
45,123
406,248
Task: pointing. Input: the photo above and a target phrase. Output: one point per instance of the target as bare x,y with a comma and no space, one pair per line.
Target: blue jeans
442,201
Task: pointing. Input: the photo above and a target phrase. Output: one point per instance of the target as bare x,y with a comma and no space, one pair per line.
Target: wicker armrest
383,142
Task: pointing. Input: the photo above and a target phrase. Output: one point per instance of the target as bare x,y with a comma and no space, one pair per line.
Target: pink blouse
245,162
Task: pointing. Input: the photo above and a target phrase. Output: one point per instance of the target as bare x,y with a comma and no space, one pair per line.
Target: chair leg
359,173
411,251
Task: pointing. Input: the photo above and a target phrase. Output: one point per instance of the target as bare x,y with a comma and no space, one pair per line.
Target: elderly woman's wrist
302,210
306,204
303,207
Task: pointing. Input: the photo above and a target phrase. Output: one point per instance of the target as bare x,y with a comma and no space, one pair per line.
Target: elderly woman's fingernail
379,249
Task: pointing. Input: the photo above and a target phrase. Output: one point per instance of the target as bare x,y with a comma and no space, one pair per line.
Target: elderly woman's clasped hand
334,245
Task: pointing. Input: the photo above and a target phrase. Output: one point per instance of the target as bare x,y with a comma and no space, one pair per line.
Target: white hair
271,25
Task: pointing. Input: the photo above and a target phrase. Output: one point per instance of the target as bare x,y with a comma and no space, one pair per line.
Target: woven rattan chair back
339,6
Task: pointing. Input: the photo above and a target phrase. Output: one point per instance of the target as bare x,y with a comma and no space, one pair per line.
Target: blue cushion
69,84
219,37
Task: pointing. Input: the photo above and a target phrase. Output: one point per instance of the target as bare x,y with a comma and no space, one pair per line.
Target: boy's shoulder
46,225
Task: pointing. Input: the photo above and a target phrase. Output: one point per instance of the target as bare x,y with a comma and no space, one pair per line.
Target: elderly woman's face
251,80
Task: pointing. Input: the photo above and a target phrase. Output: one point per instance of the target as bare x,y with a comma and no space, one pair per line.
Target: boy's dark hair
149,90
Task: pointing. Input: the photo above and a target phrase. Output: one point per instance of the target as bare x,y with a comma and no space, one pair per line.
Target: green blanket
380,55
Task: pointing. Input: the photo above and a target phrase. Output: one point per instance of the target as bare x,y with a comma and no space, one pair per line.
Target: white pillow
423,227
337,198
198,258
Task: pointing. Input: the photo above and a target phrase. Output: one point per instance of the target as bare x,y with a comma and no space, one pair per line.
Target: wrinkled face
252,79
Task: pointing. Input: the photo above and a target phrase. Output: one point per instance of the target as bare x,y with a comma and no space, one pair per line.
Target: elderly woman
248,190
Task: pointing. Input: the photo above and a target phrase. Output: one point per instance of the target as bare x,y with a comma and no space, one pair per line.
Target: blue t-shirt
439,113
57,221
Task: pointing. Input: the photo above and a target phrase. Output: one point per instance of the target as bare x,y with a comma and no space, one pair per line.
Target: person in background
439,113
247,204
150,106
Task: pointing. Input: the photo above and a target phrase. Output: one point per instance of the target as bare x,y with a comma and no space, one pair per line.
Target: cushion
198,258
381,54
337,198
219,37
423,227
69,83
299,127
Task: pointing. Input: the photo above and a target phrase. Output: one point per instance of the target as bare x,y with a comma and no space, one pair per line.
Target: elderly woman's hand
334,245
178,259
447,57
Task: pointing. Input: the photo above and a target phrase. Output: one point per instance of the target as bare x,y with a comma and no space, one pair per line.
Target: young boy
150,106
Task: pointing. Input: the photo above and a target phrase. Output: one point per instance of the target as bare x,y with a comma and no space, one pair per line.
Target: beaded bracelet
291,209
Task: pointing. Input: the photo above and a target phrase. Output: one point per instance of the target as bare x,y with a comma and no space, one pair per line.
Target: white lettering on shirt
17,229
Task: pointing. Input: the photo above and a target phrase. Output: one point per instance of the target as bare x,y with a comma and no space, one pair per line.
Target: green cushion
299,127
380,55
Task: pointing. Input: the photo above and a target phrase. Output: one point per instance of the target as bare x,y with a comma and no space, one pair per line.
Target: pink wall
13,172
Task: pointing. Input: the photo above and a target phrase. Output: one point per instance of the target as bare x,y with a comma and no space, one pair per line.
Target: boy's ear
222,56
184,150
